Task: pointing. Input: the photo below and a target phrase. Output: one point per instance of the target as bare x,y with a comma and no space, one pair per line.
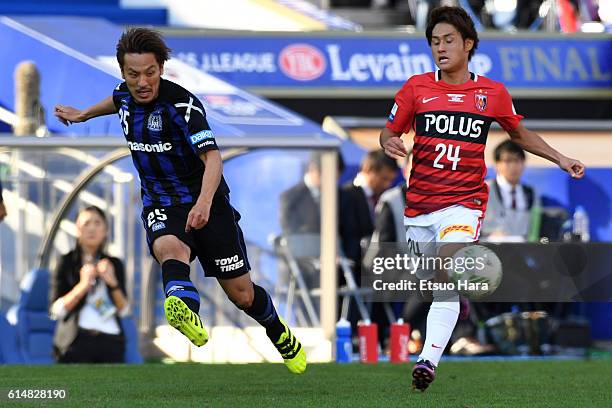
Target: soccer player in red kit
451,111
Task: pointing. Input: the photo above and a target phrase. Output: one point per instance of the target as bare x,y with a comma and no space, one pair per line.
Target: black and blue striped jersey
165,138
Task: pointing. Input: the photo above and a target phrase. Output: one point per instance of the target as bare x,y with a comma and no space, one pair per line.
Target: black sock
175,275
263,311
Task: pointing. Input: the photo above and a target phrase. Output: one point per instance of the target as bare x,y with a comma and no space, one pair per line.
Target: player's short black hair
458,18
141,41
508,146
377,160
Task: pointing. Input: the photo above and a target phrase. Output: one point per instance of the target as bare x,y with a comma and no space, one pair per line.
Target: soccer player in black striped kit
187,213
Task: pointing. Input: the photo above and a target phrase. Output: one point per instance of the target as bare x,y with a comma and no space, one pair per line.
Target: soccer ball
476,272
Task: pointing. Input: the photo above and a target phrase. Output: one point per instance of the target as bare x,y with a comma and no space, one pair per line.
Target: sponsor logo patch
456,228
206,143
229,264
157,226
453,125
145,147
458,98
201,135
393,112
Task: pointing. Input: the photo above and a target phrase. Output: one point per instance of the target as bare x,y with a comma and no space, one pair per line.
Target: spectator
300,205
2,207
389,213
88,297
527,11
358,201
300,213
513,211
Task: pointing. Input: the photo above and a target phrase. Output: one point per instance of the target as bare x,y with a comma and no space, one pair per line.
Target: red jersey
451,124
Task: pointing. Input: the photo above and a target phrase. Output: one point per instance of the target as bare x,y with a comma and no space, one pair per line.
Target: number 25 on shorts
156,215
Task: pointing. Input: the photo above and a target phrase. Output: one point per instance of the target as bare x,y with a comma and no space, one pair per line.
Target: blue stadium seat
9,350
33,329
132,355
32,324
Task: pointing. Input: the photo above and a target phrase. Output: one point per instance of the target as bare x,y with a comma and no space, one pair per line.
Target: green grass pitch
459,384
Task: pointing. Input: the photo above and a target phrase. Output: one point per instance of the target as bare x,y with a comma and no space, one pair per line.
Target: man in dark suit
357,208
300,212
299,206
358,202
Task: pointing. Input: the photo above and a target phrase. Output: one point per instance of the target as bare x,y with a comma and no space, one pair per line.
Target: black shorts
219,245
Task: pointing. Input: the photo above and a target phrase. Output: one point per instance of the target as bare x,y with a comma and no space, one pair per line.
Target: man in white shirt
513,212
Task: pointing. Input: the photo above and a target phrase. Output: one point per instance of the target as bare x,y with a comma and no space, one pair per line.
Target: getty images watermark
429,265
509,272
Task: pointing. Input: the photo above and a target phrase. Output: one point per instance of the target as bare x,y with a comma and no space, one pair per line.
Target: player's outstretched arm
68,115
200,212
392,144
533,143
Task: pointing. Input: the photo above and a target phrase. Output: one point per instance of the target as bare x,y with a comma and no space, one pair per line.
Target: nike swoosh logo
425,100
434,346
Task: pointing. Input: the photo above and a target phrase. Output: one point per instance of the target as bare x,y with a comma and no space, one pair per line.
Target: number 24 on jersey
452,155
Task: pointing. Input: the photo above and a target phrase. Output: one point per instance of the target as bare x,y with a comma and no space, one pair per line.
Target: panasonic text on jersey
149,148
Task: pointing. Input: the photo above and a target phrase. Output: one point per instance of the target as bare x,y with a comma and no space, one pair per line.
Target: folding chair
306,248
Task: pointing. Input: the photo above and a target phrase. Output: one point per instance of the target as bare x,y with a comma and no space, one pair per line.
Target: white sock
441,321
